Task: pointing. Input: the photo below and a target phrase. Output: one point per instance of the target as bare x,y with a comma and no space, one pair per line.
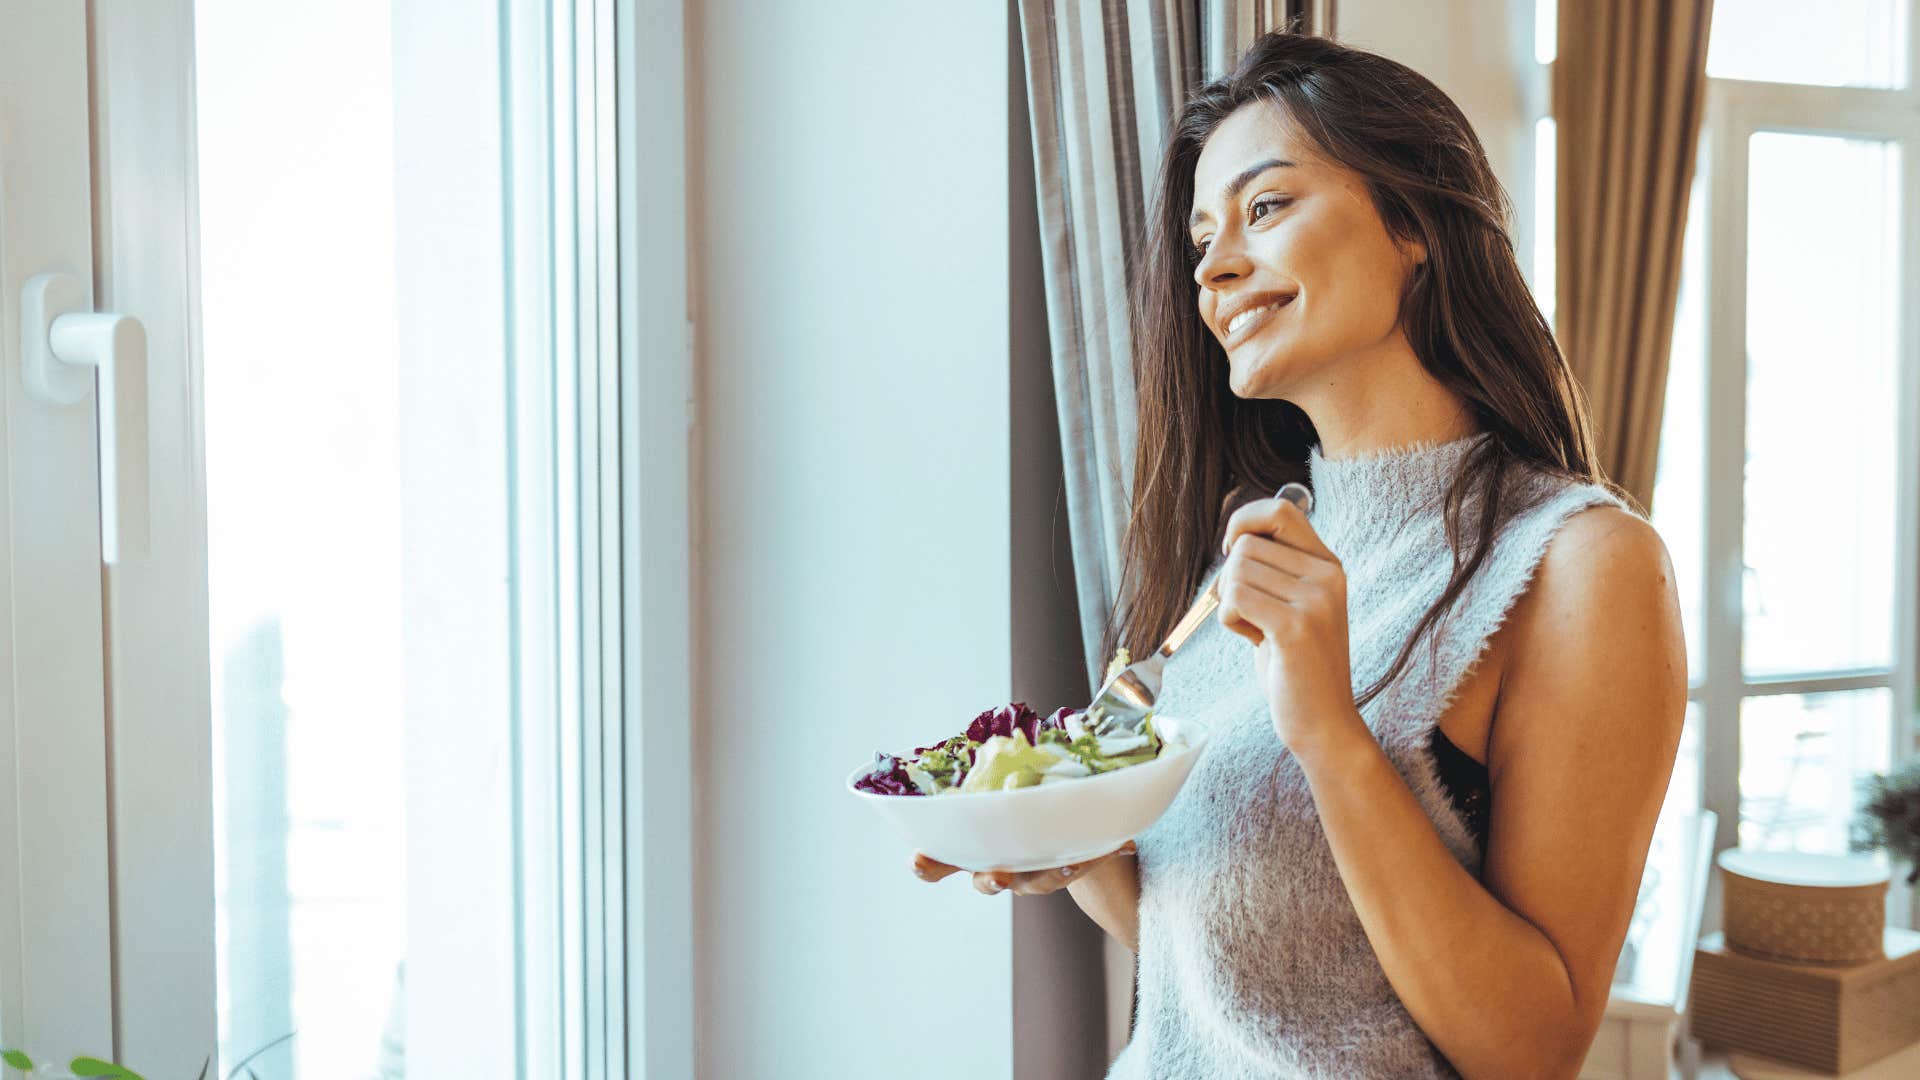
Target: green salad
1014,747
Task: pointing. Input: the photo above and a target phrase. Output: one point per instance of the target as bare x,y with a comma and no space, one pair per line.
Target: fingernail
1066,871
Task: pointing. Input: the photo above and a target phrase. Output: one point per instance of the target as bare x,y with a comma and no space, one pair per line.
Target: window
1788,464
359,697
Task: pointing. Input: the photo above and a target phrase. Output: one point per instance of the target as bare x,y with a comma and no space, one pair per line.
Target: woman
1445,703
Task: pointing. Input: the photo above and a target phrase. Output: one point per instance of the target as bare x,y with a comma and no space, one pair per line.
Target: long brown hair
1466,311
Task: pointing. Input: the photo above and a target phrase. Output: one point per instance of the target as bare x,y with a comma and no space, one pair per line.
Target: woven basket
1804,909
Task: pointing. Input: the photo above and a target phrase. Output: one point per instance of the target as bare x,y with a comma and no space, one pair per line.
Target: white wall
849,233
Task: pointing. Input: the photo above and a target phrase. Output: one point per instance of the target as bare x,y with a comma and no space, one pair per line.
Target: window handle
65,346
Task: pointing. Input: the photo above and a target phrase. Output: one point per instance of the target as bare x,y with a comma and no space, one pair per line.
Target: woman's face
1295,240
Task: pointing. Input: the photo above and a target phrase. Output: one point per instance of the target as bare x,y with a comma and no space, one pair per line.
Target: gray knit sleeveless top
1252,960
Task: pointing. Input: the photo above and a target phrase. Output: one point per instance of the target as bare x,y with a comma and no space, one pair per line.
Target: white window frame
1736,109
56,956
657,411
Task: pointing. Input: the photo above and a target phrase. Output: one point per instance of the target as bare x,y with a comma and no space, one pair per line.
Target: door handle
65,347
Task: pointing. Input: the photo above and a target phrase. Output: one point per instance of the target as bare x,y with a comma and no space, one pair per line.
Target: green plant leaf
88,1066
17,1059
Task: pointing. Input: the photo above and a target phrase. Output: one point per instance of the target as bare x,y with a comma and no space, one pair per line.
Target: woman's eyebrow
1233,186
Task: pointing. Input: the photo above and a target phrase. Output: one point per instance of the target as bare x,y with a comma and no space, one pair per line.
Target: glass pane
1802,757
365,815
1837,43
1822,339
1680,485
303,530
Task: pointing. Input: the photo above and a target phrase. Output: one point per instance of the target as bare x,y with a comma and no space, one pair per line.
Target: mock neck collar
1367,497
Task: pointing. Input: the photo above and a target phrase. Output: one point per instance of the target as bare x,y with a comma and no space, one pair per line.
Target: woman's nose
1224,261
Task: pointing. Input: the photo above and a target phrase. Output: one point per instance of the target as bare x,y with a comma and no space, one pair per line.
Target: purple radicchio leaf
1027,722
1004,720
1058,721
888,777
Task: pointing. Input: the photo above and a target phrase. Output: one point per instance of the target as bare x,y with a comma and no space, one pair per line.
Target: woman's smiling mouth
1244,323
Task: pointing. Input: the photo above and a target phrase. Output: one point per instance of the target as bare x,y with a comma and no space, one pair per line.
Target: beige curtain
1629,90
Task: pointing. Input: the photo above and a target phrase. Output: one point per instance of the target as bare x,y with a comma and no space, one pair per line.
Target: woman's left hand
1284,591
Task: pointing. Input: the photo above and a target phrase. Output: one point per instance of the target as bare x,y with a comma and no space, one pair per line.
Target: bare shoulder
1603,563
1605,545
1602,603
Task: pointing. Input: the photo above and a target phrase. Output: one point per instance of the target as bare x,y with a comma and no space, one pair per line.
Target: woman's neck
1382,400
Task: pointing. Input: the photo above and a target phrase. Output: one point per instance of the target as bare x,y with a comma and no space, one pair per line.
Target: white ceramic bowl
1048,825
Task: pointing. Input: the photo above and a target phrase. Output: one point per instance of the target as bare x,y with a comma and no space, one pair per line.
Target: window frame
657,411
597,387
1736,110
56,947
1718,684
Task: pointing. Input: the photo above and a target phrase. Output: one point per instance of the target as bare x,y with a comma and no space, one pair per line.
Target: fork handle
1191,621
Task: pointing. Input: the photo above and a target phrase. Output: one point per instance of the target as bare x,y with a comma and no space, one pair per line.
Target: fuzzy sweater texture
1252,961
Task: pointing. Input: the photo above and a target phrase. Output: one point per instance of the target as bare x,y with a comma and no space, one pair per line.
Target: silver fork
1123,702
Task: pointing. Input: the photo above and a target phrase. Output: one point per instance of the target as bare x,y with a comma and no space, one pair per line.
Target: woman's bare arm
1110,895
1510,977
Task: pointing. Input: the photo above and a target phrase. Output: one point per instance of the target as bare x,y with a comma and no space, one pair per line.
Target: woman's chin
1251,378
1275,371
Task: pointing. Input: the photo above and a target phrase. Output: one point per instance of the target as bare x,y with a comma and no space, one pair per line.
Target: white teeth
1234,325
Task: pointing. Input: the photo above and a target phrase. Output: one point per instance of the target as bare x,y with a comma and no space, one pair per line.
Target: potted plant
1889,819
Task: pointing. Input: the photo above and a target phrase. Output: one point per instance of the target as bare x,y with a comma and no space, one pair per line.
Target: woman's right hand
1031,883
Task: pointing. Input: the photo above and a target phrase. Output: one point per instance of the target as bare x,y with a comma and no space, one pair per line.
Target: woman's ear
1416,253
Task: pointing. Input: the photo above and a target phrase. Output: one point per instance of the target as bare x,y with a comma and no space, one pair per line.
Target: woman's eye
1278,202
1275,203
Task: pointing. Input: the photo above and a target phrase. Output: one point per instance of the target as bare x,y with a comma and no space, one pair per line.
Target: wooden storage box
1829,1018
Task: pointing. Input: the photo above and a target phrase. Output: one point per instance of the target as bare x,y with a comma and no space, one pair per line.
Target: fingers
1247,590
1266,575
931,869
1252,553
1253,613
1032,883
1276,519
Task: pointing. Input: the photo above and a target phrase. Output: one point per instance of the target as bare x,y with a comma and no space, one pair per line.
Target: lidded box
1830,1018
1804,909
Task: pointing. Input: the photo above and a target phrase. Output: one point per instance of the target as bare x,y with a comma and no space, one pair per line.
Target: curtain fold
1629,92
1104,78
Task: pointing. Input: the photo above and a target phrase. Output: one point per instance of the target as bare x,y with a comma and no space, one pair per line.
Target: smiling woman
1414,689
